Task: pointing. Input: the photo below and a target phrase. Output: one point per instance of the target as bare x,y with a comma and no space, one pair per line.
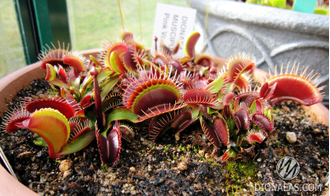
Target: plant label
173,24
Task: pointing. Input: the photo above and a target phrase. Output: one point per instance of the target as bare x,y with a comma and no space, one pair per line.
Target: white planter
275,36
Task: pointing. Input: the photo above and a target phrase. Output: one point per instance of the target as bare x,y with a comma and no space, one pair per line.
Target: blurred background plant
90,23
322,6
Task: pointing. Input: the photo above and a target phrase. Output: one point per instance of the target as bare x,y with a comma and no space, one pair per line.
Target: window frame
41,23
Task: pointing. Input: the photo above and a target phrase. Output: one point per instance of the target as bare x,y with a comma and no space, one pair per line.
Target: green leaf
195,112
253,107
268,113
231,124
265,3
211,111
121,114
94,60
216,85
252,1
76,83
59,83
104,73
87,82
108,85
230,87
39,141
77,144
220,97
278,3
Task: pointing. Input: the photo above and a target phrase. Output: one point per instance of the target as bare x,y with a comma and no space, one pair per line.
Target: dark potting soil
184,165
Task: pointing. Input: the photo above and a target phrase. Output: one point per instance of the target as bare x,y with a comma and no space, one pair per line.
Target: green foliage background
92,23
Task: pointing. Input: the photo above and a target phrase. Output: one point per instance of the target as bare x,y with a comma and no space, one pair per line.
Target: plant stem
140,18
121,15
98,103
206,19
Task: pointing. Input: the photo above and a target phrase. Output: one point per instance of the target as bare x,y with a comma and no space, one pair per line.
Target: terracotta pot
21,78
13,82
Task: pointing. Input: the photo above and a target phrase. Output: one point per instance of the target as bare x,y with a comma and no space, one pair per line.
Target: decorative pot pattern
275,36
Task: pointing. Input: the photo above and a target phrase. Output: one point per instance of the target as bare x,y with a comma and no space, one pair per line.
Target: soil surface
184,165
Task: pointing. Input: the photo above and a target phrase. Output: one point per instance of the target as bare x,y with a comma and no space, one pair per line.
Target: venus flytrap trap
106,97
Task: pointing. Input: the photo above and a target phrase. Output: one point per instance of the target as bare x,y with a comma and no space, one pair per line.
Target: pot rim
23,77
265,16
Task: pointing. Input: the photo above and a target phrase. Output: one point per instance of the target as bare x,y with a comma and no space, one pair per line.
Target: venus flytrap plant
104,97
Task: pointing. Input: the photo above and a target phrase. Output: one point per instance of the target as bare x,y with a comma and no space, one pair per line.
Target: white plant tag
173,24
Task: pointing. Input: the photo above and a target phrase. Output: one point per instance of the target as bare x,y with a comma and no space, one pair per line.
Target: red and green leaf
52,126
53,56
108,85
61,74
109,145
181,119
50,73
127,132
14,119
253,137
129,63
301,88
191,43
221,128
57,103
160,60
218,132
116,63
238,64
200,96
263,122
216,85
210,132
204,60
86,101
121,49
267,91
229,153
149,91
159,125
127,36
76,63
242,119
